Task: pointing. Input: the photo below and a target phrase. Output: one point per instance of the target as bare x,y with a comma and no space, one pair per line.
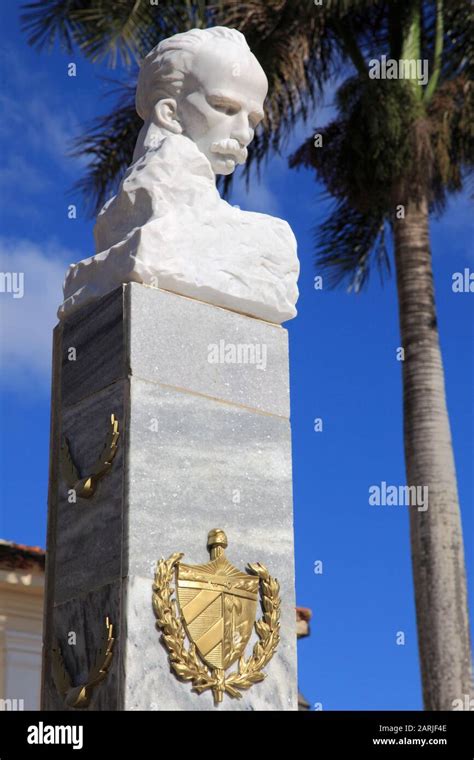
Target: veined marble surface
203,445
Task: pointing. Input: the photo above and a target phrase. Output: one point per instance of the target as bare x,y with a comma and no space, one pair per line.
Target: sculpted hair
163,70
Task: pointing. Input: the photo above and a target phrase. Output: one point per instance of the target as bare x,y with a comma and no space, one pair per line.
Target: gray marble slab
170,338
84,616
88,533
97,333
207,464
202,446
189,458
173,340
55,438
149,684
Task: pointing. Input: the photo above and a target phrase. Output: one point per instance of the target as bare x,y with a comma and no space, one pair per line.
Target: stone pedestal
202,445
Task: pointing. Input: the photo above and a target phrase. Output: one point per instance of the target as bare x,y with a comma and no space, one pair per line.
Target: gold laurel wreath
86,486
80,696
185,662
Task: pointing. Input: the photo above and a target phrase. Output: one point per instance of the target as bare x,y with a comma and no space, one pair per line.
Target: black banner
373,734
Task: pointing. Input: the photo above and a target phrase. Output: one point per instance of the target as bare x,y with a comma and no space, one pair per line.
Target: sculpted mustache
230,147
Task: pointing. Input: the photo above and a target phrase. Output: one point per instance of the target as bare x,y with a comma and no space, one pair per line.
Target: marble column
204,443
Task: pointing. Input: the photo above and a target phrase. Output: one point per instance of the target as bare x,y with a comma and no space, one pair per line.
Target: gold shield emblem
216,606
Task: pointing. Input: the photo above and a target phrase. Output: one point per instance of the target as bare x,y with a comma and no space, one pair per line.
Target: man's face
222,103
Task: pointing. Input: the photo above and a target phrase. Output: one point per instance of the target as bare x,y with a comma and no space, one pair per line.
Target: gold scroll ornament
80,696
215,606
85,487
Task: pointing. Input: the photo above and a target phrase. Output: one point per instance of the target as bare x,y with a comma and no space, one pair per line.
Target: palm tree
390,159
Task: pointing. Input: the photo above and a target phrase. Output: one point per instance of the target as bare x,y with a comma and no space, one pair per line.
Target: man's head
207,85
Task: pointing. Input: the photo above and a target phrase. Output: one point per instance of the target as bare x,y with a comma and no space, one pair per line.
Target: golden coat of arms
215,605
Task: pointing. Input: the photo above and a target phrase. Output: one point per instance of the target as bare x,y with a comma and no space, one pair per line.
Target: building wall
21,622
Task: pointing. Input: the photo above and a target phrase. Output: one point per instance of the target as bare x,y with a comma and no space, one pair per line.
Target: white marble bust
200,95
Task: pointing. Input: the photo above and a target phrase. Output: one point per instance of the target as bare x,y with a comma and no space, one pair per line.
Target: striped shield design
218,605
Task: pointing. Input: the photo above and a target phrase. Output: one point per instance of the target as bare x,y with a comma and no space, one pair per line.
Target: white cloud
32,181
26,323
36,124
53,129
258,197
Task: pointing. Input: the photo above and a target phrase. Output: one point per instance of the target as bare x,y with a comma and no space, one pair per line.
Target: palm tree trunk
436,534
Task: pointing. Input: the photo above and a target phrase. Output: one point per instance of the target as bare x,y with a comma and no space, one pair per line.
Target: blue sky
343,370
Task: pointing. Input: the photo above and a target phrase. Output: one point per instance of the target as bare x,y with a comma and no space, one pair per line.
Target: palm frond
111,30
48,21
108,143
347,243
380,141
380,149
295,48
119,31
451,118
366,149
128,30
458,55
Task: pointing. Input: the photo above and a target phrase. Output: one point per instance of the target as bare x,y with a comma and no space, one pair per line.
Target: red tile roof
18,556
303,613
